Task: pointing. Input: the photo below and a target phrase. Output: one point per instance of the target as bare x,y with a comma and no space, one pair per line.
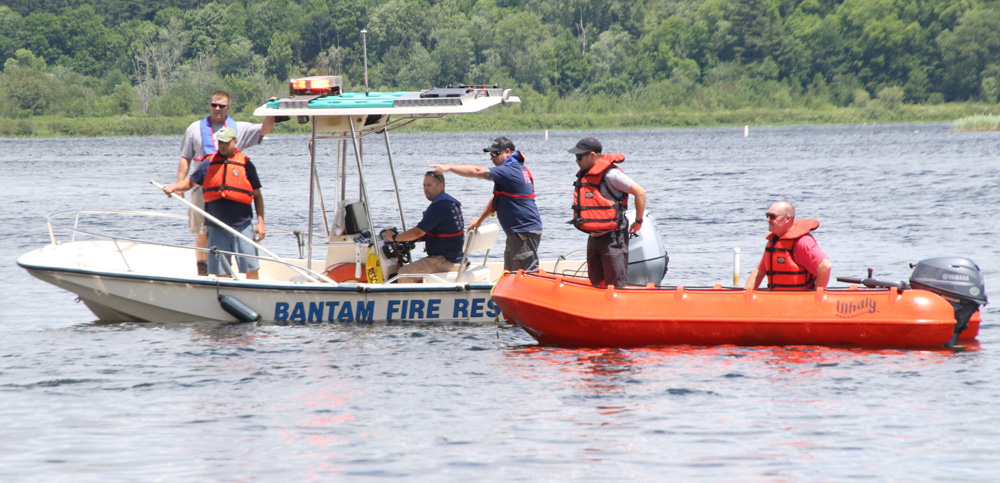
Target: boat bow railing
75,229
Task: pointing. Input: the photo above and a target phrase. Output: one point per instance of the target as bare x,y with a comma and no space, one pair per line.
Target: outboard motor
647,259
956,279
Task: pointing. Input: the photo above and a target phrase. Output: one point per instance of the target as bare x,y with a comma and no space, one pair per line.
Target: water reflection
621,371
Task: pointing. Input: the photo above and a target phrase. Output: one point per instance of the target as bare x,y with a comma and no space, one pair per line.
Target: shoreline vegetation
526,117
115,68
980,122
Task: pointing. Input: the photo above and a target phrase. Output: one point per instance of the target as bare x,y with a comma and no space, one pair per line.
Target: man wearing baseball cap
232,192
198,145
600,199
513,202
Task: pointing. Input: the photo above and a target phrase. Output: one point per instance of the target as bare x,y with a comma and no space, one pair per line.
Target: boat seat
484,238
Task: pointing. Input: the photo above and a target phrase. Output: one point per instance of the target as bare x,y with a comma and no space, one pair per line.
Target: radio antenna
364,43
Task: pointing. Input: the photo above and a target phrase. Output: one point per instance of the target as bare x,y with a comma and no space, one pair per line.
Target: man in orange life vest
599,202
198,145
513,202
792,260
230,183
442,229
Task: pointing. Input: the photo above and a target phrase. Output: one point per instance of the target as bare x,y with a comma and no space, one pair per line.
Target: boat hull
566,311
133,294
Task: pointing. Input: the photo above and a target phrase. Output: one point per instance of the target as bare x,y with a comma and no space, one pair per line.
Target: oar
238,234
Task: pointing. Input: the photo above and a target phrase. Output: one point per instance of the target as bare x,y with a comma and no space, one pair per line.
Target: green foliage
577,63
981,122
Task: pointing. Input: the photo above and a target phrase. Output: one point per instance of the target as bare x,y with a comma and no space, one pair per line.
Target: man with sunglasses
442,229
600,199
792,259
513,202
199,144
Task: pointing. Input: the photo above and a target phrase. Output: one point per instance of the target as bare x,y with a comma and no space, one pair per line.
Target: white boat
124,278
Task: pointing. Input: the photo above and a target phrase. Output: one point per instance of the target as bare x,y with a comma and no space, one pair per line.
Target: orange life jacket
227,178
592,212
782,271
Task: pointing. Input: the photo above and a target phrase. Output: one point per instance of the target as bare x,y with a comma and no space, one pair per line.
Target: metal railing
75,229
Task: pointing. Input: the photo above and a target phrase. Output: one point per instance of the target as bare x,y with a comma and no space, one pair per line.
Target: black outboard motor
956,279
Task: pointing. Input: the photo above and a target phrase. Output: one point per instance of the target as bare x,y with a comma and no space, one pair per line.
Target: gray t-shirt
247,135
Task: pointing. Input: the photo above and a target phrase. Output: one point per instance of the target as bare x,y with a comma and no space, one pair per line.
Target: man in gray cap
600,199
513,202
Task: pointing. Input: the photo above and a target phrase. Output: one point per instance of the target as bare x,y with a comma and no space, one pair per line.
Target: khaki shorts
196,222
433,264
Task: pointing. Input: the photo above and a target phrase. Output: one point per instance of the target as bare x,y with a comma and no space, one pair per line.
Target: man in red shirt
792,259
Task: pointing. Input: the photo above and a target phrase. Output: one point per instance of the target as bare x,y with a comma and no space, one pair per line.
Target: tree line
164,57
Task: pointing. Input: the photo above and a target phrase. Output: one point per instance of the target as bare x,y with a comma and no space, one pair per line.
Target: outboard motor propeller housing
647,258
956,279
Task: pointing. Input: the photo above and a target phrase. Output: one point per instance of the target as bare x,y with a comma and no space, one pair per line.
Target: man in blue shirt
442,229
513,202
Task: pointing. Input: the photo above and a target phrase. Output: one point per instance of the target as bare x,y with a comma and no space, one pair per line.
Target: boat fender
238,309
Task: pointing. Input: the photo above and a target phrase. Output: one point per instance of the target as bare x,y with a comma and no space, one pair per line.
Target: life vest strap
227,188
797,272
512,195
790,285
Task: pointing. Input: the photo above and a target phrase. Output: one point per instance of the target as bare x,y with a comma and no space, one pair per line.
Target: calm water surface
88,401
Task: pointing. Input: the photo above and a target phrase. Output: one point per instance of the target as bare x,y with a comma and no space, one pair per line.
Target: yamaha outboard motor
956,279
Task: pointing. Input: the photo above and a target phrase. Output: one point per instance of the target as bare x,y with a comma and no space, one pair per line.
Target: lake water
202,402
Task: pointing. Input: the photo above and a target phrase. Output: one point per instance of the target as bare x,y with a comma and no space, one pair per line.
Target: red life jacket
592,212
227,178
782,271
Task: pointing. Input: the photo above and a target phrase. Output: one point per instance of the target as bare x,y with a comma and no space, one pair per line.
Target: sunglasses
439,177
580,156
220,106
494,154
771,216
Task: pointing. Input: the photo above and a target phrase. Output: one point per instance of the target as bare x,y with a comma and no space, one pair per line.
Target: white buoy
546,134
736,266
746,131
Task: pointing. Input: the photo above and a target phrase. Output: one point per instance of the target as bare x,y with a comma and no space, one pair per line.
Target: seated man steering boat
442,229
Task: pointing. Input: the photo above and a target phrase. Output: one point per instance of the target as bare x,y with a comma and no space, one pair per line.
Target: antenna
364,43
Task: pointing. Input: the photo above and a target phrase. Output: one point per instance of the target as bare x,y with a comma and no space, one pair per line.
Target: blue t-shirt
516,215
232,213
442,218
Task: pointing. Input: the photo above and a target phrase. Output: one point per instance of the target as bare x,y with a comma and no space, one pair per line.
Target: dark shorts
607,258
521,251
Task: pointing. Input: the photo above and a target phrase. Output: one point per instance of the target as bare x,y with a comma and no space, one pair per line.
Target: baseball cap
225,135
586,145
499,144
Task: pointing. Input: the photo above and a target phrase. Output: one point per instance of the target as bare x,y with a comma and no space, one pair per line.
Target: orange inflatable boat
938,307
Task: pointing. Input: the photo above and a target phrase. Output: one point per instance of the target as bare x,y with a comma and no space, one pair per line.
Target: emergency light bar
327,85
